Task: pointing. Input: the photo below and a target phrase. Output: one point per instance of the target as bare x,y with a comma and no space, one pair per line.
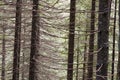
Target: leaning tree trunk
118,65
91,43
103,33
17,41
71,40
34,42
113,51
3,55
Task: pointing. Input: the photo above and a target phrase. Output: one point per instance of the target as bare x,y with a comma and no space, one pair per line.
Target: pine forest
59,39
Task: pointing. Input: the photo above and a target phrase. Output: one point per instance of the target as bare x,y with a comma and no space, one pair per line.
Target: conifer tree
103,33
118,65
3,55
17,41
71,40
91,43
34,54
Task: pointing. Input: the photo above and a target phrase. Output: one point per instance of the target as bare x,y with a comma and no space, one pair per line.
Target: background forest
60,39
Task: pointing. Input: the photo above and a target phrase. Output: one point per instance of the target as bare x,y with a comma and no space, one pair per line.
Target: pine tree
103,33
71,40
3,55
34,42
17,41
91,43
113,50
85,51
118,65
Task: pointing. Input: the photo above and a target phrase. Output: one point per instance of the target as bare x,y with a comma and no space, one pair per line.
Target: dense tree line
60,39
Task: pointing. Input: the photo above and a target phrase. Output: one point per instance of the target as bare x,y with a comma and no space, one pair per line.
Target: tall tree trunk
23,55
17,41
34,42
91,43
3,56
71,40
103,33
23,65
85,51
113,53
78,54
118,65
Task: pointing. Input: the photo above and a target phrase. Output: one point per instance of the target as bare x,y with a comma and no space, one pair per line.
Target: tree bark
118,65
34,42
17,41
71,40
113,50
23,54
3,56
85,51
77,60
103,33
91,43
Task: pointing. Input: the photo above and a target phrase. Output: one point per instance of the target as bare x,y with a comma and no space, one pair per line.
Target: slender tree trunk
113,53
23,72
23,45
3,56
16,60
103,33
118,65
34,42
91,43
85,60
85,52
23,56
71,40
78,52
